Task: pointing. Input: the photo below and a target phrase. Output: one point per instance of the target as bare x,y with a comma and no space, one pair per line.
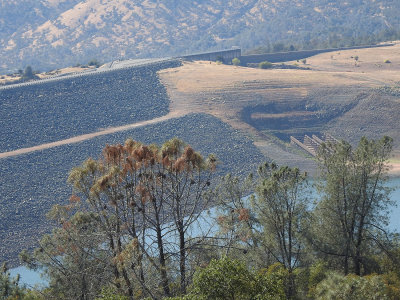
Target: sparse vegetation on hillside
40,33
21,76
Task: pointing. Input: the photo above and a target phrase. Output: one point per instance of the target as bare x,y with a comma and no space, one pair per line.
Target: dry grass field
12,78
345,80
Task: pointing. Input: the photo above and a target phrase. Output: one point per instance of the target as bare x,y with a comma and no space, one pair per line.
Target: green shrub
236,61
265,65
230,279
387,61
10,287
337,286
110,294
223,279
220,59
94,62
317,274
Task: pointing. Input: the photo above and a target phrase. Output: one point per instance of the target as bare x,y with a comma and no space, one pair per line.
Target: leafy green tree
281,206
10,287
350,218
269,227
110,294
223,279
73,256
94,62
230,279
28,73
236,61
352,287
318,272
278,47
235,219
265,65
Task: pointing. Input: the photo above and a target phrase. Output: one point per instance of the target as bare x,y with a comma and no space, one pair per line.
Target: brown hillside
48,34
339,94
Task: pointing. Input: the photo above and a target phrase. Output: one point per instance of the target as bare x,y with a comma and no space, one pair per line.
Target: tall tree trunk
357,257
119,245
182,256
115,268
163,266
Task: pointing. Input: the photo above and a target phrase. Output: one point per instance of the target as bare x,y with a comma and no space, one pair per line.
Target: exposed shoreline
394,169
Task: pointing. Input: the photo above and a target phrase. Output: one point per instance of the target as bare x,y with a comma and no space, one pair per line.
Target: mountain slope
50,33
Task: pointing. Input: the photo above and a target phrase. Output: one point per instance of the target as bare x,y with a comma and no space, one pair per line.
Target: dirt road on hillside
89,136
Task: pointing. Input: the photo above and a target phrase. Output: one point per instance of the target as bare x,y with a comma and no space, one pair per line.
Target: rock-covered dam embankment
51,110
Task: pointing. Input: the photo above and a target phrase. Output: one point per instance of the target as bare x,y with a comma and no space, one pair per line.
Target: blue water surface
33,278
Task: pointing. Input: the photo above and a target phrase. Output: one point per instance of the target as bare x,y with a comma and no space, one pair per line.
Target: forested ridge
50,34
155,222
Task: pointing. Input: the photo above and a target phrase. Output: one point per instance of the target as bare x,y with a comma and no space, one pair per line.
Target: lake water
395,213
32,278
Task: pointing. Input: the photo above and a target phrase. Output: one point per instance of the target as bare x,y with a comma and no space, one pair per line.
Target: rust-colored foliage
74,199
166,162
134,187
179,165
244,214
188,153
113,154
221,220
129,165
143,192
66,225
60,250
144,155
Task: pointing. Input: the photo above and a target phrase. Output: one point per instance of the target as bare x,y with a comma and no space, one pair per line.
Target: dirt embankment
336,86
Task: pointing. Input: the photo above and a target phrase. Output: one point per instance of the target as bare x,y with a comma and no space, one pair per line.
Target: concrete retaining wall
226,55
295,55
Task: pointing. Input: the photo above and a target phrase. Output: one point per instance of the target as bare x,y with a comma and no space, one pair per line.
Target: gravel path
89,136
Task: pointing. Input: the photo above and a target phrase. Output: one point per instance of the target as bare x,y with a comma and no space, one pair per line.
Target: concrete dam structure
225,56
294,55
